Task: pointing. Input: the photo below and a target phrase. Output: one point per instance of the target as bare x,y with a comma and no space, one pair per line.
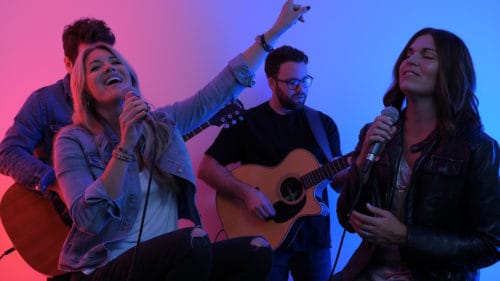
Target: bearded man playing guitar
255,198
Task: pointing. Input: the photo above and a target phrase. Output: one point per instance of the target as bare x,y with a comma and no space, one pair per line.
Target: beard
291,102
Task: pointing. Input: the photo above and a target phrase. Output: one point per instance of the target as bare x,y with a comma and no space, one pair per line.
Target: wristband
121,154
268,48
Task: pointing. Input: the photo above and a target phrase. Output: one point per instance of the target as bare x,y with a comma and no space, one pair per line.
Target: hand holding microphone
130,93
379,132
135,111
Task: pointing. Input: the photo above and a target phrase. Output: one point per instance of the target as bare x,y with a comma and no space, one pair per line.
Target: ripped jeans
187,254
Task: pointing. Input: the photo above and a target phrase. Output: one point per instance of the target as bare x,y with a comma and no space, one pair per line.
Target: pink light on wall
177,46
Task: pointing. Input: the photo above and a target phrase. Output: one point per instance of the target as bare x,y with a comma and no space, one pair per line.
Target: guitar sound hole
291,190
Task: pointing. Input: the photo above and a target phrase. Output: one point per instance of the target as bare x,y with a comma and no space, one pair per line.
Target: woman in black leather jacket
427,202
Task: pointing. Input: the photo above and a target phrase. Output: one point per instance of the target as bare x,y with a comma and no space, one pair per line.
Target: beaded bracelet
264,44
121,154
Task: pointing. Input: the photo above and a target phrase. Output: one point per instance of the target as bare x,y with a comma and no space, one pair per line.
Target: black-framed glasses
293,84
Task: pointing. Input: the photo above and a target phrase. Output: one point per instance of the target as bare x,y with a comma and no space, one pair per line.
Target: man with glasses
270,133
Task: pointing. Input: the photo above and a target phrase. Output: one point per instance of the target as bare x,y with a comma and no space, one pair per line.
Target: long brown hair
455,86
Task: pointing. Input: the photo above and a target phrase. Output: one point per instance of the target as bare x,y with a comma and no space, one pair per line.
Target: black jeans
237,260
180,256
312,265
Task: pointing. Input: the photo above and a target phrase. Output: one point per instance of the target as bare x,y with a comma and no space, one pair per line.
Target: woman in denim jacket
118,157
427,207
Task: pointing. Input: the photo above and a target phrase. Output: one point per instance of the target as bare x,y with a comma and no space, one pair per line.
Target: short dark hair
281,55
85,30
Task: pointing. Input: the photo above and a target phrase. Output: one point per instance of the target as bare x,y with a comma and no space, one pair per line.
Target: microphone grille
392,113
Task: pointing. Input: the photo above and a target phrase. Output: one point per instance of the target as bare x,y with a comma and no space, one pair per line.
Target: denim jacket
35,125
452,206
80,158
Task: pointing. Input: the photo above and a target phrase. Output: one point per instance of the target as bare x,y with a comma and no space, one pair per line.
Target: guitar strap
318,131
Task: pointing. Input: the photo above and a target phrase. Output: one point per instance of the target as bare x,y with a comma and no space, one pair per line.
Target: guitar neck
196,131
326,171
229,115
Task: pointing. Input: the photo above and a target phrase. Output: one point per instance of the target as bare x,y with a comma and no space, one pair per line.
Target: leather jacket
452,205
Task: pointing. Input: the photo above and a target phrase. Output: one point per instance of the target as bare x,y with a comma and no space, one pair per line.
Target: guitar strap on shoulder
318,131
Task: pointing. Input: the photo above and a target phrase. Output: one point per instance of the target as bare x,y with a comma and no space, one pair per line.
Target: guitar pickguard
285,212
292,201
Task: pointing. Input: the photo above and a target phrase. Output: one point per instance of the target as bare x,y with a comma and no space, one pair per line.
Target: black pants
180,256
237,260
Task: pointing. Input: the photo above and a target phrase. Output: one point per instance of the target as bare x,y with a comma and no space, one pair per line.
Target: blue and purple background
177,46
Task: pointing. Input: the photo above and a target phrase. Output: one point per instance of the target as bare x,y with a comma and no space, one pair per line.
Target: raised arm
289,15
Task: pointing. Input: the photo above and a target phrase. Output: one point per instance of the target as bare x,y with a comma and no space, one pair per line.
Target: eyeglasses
293,84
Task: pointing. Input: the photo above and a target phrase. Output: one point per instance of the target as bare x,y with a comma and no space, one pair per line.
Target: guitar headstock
231,114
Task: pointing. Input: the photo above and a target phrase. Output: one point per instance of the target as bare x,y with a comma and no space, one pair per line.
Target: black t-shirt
266,138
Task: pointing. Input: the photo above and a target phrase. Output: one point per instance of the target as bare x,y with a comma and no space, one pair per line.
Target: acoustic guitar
38,231
293,187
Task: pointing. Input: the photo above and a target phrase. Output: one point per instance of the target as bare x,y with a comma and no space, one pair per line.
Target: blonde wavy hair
155,136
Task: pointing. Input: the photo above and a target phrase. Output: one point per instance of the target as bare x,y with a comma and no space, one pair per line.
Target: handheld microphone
149,117
393,114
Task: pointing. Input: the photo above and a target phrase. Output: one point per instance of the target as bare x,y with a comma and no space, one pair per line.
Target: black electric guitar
38,231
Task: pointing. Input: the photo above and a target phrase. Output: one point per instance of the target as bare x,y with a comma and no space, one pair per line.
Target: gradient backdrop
177,46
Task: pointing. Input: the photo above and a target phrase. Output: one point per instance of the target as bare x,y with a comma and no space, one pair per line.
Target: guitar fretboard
195,131
227,116
316,176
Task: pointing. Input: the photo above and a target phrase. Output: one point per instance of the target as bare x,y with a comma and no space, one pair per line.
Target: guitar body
34,227
282,186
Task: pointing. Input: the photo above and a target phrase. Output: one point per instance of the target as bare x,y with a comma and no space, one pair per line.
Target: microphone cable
146,200
393,114
364,180
8,251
